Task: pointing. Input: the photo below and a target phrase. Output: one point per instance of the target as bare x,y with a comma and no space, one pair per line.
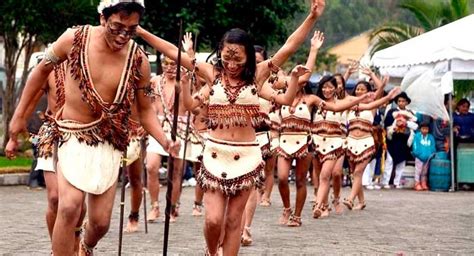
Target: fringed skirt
231,166
293,145
328,148
92,169
360,149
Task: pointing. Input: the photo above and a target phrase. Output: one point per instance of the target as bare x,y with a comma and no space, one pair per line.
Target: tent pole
451,135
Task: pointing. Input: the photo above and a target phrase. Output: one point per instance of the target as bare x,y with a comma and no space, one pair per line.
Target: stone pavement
395,221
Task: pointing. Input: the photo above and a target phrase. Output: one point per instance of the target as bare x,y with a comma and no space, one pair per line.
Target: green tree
429,15
344,19
265,20
26,25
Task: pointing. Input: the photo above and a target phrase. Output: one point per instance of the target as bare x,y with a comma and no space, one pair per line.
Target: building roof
351,49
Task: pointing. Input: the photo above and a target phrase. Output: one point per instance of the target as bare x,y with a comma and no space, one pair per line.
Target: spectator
398,139
423,148
464,122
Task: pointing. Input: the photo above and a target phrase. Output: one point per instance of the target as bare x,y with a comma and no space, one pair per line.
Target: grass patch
17,162
17,165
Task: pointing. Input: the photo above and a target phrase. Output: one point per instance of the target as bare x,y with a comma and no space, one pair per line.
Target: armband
50,56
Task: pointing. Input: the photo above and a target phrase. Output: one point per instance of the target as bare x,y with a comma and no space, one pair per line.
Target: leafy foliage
265,20
45,19
24,25
391,34
462,88
429,15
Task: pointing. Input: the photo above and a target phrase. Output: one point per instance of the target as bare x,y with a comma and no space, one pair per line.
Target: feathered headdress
110,3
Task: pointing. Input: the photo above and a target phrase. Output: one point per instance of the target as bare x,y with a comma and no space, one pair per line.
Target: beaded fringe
231,187
328,128
225,116
333,155
301,153
295,124
367,154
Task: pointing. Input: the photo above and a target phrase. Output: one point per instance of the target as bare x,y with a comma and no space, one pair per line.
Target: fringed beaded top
329,123
297,118
360,120
113,125
269,112
233,106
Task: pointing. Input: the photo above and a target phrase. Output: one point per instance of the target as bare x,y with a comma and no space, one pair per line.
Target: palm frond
426,12
460,8
391,34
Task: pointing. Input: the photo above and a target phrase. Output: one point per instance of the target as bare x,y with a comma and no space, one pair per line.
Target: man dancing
164,87
106,72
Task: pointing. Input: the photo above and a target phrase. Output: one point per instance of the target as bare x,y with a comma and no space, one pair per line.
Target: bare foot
325,212
338,209
132,226
285,215
197,210
246,239
265,202
173,218
360,206
154,214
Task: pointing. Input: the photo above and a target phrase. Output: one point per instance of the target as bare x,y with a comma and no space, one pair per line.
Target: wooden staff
123,168
174,129
145,179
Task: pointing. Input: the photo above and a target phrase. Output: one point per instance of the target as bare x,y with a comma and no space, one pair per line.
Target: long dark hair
342,94
331,79
125,7
364,83
240,37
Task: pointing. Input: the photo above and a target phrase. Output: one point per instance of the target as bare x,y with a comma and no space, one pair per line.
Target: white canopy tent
444,54
453,42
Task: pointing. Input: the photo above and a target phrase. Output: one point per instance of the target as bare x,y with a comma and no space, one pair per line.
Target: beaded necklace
232,92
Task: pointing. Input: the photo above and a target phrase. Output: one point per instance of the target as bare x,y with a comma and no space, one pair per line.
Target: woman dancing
231,163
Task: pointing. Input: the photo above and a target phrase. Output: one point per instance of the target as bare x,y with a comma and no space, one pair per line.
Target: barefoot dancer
106,71
360,142
164,90
233,88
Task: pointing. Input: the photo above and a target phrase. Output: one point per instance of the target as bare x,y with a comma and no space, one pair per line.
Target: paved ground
395,221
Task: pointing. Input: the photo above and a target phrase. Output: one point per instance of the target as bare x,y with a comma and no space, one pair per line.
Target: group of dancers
247,116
